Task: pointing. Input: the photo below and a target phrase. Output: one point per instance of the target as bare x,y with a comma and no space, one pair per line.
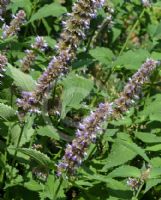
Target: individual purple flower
74,29
14,26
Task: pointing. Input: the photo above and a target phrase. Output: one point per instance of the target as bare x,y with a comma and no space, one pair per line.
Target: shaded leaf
101,54
48,131
6,111
22,80
127,59
53,9
125,171
76,88
134,147
119,154
38,156
151,183
148,137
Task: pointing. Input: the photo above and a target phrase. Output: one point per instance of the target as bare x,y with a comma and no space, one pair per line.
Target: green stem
16,150
138,192
132,30
58,188
104,24
89,42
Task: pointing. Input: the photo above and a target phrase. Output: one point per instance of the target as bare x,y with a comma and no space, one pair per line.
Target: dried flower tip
14,26
3,63
146,3
133,183
3,5
40,44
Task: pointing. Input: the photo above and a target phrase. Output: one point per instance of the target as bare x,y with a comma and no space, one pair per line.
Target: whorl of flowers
3,4
27,61
146,3
133,88
3,63
87,130
74,31
14,26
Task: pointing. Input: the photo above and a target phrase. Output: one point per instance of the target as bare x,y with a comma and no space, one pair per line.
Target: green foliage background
127,147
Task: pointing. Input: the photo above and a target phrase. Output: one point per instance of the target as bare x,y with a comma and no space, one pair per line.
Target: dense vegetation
80,100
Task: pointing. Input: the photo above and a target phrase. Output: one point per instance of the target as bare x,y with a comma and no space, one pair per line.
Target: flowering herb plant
80,100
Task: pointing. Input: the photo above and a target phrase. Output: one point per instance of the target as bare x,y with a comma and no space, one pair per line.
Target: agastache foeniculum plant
73,33
91,125
96,135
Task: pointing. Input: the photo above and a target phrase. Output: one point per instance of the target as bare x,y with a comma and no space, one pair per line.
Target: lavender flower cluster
74,31
14,26
87,130
27,61
133,88
85,134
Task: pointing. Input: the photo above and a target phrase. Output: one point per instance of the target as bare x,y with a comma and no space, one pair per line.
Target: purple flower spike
15,24
88,128
28,60
84,137
132,90
74,30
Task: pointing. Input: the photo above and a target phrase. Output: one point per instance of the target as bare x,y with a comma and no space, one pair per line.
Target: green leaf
6,112
119,155
147,137
134,147
33,186
53,9
25,4
156,162
22,80
151,183
125,171
157,33
28,132
155,55
51,42
76,88
152,108
83,183
127,59
156,147
101,54
155,172
53,188
38,156
112,183
48,131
